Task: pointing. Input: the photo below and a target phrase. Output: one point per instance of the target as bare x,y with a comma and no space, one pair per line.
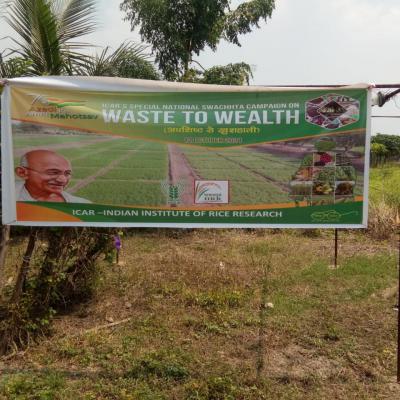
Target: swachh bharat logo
211,192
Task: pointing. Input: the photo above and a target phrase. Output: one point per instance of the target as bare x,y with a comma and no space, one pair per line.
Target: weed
381,223
215,388
22,386
217,299
162,365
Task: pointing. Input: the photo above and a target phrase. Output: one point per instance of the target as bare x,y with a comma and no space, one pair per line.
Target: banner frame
88,84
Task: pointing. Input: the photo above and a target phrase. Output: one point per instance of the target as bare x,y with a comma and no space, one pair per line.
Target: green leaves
245,17
177,30
14,67
47,42
128,60
45,32
231,74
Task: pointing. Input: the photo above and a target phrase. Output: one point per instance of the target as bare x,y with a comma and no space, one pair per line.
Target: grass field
127,171
385,184
223,315
253,177
44,140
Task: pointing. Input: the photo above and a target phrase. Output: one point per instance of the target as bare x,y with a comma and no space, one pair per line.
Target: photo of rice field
121,171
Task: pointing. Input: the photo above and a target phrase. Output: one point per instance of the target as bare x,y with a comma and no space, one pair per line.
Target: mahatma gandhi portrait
45,176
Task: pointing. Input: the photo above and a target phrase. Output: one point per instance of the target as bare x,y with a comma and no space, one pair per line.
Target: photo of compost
326,176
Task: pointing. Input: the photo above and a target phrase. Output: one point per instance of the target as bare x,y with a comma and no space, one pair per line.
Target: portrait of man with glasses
45,176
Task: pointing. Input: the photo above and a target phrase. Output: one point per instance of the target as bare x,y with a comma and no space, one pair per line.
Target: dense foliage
177,30
391,142
59,265
46,32
46,43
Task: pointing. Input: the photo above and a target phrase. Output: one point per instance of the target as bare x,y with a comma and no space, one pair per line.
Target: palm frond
111,63
76,19
13,67
46,29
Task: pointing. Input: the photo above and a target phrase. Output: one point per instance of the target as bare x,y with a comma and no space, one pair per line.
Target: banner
119,152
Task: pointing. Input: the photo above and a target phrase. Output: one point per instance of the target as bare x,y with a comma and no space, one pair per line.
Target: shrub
381,223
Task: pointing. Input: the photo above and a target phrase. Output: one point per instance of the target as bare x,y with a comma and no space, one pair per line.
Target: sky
305,42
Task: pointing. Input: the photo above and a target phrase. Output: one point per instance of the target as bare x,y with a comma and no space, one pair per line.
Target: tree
46,44
231,74
128,60
64,269
13,67
47,31
179,29
391,142
379,153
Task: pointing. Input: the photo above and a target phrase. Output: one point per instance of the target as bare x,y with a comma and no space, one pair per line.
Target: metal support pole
336,248
398,300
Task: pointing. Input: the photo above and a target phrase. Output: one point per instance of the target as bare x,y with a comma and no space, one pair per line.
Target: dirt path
180,170
84,182
58,146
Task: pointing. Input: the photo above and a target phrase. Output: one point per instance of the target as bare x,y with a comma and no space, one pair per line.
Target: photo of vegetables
333,178
323,159
322,188
344,188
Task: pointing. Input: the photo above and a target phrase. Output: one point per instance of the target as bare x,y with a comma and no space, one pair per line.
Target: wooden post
336,249
24,269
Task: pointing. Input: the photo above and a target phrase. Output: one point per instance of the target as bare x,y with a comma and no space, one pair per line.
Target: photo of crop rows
122,171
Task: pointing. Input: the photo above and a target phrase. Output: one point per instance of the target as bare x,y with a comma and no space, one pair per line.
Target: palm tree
47,31
46,44
129,60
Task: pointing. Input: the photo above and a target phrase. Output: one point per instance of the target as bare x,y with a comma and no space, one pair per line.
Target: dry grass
194,300
382,220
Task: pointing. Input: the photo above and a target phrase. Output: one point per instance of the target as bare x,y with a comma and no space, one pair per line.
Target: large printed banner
119,152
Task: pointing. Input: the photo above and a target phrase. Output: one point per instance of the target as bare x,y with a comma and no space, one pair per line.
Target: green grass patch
44,140
217,298
257,193
144,162
356,280
126,193
129,174
234,174
166,365
249,173
83,172
46,386
385,184
95,160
